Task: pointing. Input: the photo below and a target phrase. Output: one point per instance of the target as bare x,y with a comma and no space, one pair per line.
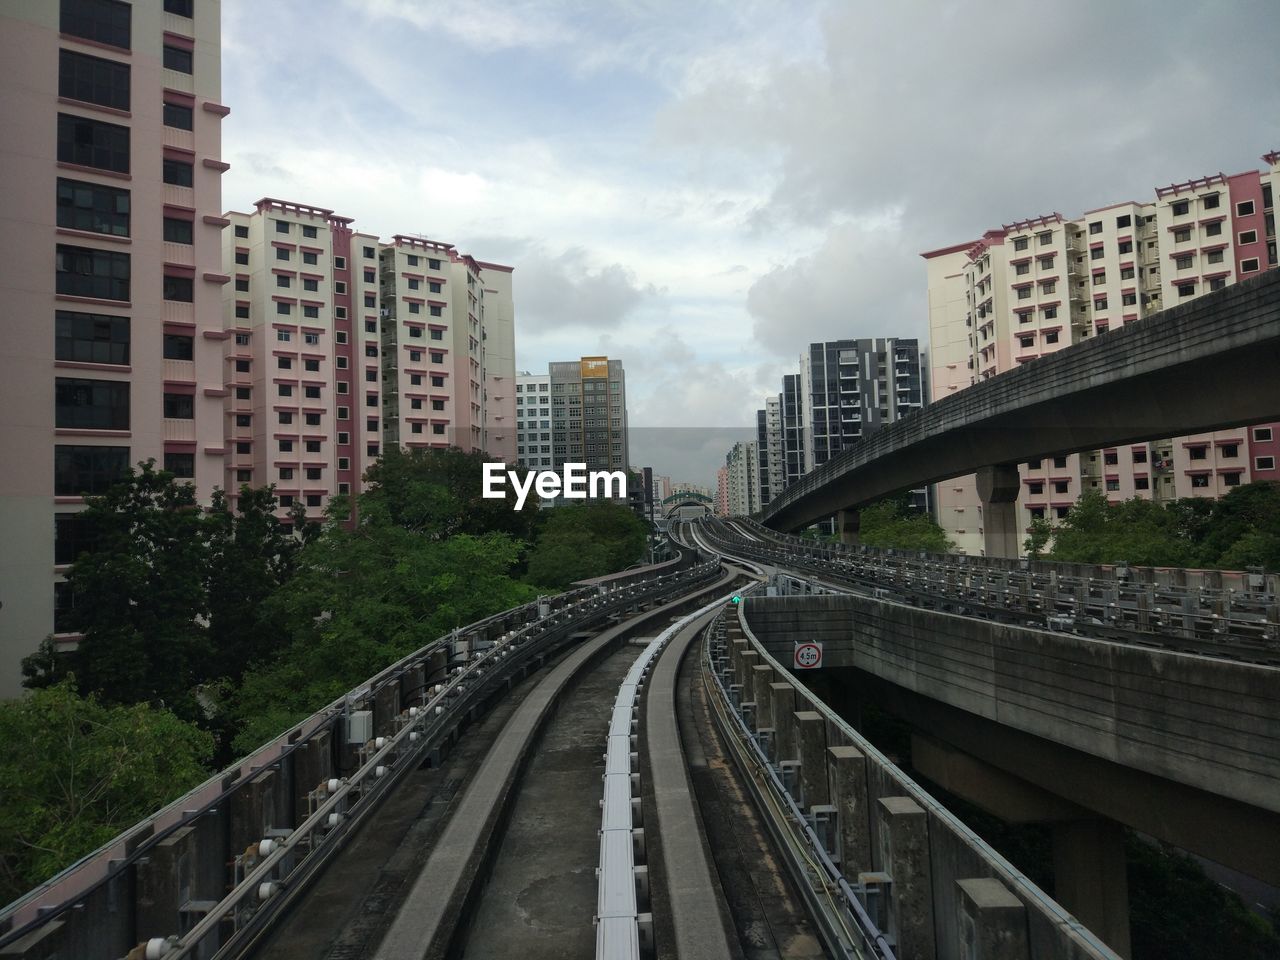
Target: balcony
179,196
177,80
183,139
175,429
175,311
180,371
183,253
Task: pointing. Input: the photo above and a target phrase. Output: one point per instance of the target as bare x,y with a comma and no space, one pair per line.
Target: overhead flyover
1200,366
687,505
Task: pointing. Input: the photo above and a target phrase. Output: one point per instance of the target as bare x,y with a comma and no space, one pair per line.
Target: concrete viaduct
1200,366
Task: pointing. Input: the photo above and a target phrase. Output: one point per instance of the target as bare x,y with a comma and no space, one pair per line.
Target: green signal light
737,599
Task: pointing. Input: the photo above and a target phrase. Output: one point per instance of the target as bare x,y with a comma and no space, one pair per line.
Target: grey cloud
861,282
556,290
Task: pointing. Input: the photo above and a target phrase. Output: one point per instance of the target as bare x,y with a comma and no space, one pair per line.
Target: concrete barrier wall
949,895
1210,724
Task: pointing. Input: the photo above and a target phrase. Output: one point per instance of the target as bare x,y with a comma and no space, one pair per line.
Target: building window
243,446
437,358
178,346
433,264
242,311
179,289
1231,479
282,280
1141,483
87,471
415,307
311,339
1096,253
311,311
1198,453
242,393
1200,480
1019,243
1264,463
1186,289
1249,266
82,272
308,257
1099,278
437,380
313,473
437,311
437,429
1050,313
93,80
371,400
311,366
1184,261
308,231
92,143
1100,303
91,338
179,173
178,231
339,313
180,7
1262,434
284,363
1244,208
312,419
242,258
1181,207
178,116
1229,451
1035,488
181,465
1213,229
1046,238
283,309
433,287
1214,256
1059,462
416,427
1095,227
1113,485
1247,236
285,390
1126,273
104,21
91,404
179,406
437,404
175,58
344,413
1051,336
1125,221
1129,299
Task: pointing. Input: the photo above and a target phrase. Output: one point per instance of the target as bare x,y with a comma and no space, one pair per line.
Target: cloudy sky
702,188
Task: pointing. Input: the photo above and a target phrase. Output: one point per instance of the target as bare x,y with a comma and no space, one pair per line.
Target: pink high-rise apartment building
1035,286
113,341
303,358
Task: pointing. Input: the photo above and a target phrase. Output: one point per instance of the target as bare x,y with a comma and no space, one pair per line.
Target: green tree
361,599
1243,528
76,772
251,555
892,524
1136,531
439,493
1038,536
140,593
583,541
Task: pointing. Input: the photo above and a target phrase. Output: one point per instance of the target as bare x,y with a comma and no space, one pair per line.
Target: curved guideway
699,926
433,917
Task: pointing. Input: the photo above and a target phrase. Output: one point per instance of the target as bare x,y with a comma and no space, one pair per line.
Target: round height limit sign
808,655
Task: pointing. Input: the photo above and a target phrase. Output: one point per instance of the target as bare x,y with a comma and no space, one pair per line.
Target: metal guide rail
839,907
853,827
624,930
1240,624
382,729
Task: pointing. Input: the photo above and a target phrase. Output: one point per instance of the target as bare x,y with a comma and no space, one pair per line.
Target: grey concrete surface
1159,377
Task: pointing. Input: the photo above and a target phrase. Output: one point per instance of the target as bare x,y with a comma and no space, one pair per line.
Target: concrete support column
998,487
1089,878
847,522
761,677
847,768
992,921
904,852
782,705
811,734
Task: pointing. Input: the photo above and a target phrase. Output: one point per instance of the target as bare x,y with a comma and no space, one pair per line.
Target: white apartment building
534,438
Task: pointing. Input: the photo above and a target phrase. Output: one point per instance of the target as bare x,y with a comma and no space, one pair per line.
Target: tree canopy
892,524
1239,530
77,771
578,542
